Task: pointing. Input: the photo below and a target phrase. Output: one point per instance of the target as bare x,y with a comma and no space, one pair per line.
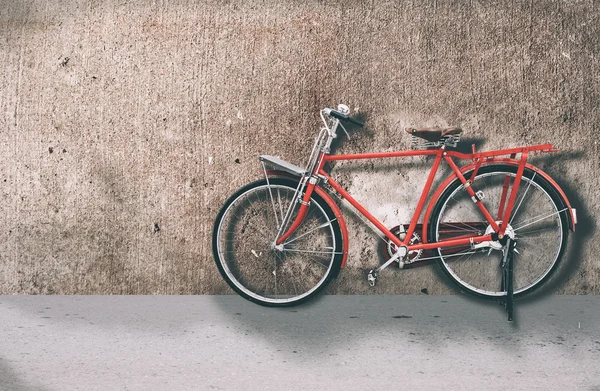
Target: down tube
361,209
374,220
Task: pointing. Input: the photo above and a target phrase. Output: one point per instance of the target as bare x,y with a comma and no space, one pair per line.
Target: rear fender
330,202
571,216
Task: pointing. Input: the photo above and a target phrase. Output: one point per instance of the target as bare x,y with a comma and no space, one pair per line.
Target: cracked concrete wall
126,125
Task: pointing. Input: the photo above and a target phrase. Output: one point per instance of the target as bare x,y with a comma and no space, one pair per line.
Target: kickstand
507,277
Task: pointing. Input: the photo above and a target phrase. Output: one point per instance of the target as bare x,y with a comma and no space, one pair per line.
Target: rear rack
450,141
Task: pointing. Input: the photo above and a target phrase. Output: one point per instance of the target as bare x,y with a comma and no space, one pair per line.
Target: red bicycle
497,226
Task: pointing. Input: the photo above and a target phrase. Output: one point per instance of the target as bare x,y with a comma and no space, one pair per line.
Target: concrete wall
124,126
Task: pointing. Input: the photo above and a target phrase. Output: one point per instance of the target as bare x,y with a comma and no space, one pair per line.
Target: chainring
389,248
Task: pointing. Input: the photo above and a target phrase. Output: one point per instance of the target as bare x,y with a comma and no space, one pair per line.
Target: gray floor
337,342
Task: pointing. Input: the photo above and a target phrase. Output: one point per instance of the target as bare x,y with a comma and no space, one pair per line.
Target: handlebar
343,117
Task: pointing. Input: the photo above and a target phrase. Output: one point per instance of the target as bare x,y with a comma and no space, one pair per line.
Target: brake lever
345,131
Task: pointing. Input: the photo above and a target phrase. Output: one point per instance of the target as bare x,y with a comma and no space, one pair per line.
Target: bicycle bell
343,109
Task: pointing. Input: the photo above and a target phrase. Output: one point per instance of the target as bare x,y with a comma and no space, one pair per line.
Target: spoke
306,218
534,244
538,230
265,212
292,277
447,256
289,212
242,251
462,254
279,257
451,212
540,219
526,237
537,233
280,204
312,230
262,211
271,196
469,257
235,241
250,224
295,285
531,202
285,218
522,198
310,251
311,212
294,281
320,264
462,228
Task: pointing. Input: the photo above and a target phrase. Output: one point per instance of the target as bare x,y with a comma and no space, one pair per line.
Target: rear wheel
243,245
538,221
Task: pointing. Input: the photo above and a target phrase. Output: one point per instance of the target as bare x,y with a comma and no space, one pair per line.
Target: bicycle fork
304,205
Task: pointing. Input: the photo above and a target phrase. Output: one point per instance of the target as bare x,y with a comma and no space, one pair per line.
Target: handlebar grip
355,122
343,117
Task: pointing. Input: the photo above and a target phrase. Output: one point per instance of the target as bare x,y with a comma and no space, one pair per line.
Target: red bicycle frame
479,158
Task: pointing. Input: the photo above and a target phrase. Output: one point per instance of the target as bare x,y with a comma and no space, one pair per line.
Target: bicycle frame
507,201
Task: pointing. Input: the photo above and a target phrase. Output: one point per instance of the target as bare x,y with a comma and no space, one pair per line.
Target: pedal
372,277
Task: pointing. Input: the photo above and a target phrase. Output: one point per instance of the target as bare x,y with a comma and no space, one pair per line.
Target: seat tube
423,199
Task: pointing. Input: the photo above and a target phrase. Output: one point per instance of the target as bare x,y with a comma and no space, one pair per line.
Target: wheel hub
278,247
509,231
495,244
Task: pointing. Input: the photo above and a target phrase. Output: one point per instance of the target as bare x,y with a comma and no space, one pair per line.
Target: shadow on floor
10,380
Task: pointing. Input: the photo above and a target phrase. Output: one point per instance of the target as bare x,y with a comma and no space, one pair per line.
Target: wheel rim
246,253
536,222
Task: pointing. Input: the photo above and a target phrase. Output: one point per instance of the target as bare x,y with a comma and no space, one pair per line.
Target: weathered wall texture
118,117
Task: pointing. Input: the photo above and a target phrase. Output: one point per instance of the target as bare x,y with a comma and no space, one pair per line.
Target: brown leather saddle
433,134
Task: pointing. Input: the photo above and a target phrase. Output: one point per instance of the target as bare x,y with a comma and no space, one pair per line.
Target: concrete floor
337,342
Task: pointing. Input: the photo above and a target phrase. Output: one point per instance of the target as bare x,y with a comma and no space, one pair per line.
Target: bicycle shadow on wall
573,256
584,230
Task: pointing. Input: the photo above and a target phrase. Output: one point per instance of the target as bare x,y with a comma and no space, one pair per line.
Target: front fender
331,203
571,216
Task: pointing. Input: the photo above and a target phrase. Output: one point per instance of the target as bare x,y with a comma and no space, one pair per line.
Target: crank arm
373,274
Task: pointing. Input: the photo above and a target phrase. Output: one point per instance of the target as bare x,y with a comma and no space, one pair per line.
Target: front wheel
538,221
243,245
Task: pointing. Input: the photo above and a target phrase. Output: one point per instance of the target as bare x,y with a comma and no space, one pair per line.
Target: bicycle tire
243,234
539,255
